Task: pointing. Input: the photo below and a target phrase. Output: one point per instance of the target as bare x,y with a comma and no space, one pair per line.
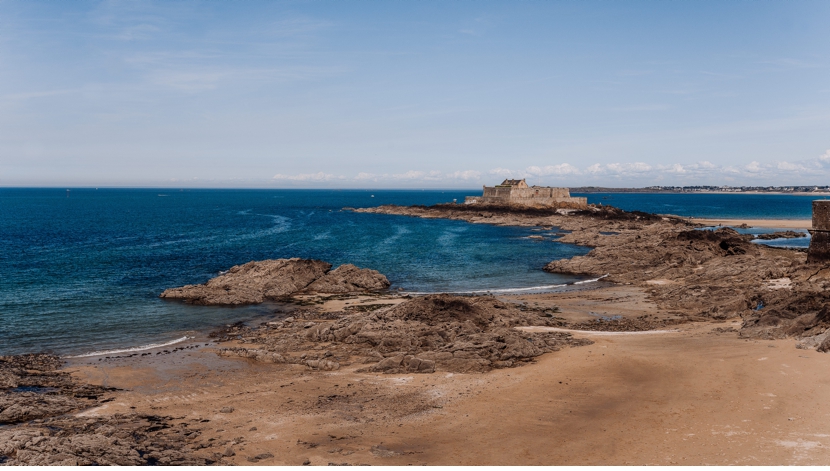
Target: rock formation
255,282
432,333
695,274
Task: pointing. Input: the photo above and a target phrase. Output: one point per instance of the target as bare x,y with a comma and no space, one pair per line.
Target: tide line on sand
508,290
131,349
534,328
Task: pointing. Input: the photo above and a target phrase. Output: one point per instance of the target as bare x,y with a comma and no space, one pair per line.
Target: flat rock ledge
255,282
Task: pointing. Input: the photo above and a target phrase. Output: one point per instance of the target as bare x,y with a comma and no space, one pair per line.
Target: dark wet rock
781,235
256,282
260,457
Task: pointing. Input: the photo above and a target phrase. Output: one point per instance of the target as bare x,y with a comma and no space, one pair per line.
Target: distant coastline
772,190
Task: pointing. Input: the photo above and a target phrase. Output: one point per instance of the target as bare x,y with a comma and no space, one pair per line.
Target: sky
414,94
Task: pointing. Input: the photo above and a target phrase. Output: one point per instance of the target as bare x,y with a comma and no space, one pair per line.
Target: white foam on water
590,281
132,349
506,290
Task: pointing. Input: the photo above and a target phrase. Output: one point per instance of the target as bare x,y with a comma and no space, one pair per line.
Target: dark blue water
707,205
81,271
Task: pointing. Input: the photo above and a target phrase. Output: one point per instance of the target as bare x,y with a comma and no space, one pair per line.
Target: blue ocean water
711,205
82,270
717,205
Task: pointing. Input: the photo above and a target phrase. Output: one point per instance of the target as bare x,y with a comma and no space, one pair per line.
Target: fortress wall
574,203
820,243
494,192
539,193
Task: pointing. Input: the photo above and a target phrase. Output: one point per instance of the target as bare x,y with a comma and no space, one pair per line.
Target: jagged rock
421,335
25,406
8,379
717,274
32,387
255,282
108,441
349,279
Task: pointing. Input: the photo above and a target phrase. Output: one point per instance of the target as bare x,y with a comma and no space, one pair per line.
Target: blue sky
414,94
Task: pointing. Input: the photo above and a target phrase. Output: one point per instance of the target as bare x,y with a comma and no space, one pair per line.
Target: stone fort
517,192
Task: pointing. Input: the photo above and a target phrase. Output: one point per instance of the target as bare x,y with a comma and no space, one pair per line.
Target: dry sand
770,223
694,396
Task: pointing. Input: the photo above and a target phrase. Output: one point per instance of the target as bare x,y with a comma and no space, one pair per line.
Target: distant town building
517,192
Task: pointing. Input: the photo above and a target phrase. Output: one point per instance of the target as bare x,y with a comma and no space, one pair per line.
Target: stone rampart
524,196
820,243
569,202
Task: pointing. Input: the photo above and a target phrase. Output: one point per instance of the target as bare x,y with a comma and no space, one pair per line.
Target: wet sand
770,223
692,396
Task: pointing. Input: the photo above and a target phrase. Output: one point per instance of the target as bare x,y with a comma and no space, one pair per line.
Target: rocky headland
258,281
697,274
420,335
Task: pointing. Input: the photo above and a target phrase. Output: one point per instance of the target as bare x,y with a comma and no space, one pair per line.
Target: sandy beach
626,399
767,223
695,347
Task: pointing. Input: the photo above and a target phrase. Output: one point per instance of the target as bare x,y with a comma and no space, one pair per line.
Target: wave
593,280
507,290
132,349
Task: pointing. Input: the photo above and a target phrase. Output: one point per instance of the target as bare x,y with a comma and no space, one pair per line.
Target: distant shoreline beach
771,223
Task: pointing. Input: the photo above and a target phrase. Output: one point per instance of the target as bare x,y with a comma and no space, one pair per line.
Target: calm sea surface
81,271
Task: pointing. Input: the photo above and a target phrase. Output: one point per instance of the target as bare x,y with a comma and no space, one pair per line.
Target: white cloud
595,168
702,172
502,172
465,175
560,169
410,175
753,167
620,169
308,177
366,176
705,164
790,167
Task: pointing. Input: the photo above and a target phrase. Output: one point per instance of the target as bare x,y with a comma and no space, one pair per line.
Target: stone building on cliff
517,192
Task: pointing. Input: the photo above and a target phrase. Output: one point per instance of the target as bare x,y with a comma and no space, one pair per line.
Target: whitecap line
590,281
133,349
505,290
533,328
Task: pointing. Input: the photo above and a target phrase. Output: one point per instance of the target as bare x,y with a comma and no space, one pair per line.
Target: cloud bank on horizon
326,94
753,173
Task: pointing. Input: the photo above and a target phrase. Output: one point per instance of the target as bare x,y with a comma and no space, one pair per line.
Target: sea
81,269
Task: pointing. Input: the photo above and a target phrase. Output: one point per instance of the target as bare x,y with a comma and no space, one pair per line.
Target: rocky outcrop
37,403
693,273
348,279
422,335
32,387
255,282
108,441
781,235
